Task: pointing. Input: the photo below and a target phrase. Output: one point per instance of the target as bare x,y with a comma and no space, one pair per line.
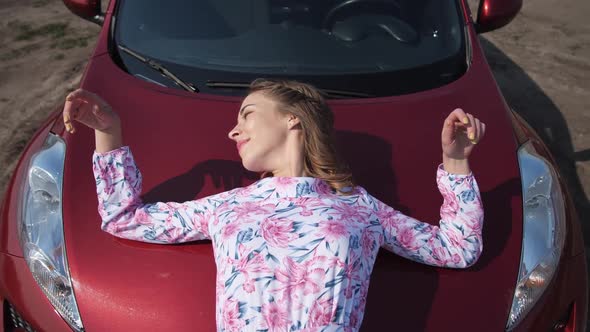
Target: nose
234,133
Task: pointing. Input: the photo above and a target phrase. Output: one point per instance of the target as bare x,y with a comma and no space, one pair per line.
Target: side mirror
87,9
494,14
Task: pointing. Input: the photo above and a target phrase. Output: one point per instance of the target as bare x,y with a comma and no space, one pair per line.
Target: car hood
180,144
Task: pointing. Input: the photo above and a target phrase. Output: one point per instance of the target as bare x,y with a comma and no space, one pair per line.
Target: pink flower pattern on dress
277,232
297,280
321,313
275,316
332,229
252,208
291,253
451,207
232,316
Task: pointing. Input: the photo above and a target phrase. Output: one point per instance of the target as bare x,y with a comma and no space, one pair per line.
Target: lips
241,143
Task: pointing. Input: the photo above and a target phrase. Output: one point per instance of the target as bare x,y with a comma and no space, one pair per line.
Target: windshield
383,47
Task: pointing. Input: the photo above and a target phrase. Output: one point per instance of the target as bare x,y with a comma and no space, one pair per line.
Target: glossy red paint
466,11
180,143
494,14
84,8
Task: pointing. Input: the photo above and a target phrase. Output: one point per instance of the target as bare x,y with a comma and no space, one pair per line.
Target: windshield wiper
161,69
328,92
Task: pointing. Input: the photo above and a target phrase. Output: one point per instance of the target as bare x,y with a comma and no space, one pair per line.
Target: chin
252,166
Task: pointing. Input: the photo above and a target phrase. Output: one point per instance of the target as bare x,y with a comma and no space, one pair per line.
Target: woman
295,250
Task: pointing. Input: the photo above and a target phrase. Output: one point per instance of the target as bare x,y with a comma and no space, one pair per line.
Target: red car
176,72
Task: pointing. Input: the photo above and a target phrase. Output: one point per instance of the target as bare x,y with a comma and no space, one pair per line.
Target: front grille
13,321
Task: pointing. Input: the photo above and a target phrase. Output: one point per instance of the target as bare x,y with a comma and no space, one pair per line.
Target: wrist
115,126
456,166
108,139
112,130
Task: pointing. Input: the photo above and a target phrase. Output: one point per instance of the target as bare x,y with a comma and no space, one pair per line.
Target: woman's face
261,133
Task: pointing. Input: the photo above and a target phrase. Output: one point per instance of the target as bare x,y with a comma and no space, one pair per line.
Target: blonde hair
317,123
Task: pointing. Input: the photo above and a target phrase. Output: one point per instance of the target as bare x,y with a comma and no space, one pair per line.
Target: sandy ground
541,62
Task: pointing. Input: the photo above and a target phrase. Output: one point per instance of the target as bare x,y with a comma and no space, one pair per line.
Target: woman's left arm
457,240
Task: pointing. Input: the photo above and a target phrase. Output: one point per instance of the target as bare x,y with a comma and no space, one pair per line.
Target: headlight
41,229
543,233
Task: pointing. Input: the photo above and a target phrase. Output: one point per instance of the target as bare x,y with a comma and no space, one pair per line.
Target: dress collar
300,186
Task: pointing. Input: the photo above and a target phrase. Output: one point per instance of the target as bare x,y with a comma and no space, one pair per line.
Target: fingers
97,112
477,131
470,127
80,101
69,115
68,122
71,106
458,115
481,131
84,95
461,121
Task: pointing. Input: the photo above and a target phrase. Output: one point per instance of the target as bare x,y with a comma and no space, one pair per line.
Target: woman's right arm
118,182
118,185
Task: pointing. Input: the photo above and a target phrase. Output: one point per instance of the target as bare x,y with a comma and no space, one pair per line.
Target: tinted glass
377,47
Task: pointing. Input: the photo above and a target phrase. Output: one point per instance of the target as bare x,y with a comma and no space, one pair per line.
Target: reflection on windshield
313,39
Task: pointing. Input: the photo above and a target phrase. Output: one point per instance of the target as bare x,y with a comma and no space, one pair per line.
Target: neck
292,161
295,171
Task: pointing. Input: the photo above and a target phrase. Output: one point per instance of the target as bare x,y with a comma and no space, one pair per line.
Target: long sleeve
455,243
118,185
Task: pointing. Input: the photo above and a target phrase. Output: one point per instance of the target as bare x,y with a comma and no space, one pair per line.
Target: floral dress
291,253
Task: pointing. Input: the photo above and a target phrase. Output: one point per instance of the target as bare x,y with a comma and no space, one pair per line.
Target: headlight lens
41,229
543,233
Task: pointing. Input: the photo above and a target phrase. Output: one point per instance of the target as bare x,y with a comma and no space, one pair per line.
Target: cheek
272,128
266,132
257,155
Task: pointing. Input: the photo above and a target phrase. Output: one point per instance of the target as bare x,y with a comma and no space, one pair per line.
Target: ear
292,121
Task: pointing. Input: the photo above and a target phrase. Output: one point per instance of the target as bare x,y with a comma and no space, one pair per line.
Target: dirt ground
541,62
43,51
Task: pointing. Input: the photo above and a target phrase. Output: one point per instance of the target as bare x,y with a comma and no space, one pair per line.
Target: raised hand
89,109
461,132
